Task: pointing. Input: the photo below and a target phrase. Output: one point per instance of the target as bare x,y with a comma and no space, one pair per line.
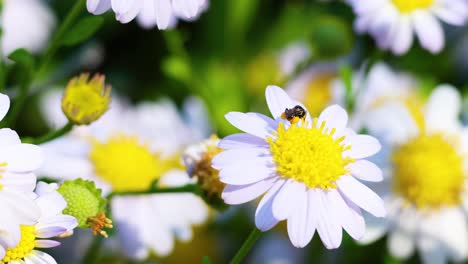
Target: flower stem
50,51
242,252
189,188
92,253
54,134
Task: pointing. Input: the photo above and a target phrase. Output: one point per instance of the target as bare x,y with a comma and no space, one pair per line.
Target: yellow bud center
208,177
407,6
428,172
25,246
319,93
127,164
84,100
309,155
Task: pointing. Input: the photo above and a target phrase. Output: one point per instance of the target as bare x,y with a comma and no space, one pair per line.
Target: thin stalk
189,188
247,246
54,134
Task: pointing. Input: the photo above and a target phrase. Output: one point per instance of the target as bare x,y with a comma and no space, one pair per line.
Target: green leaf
23,58
83,30
206,260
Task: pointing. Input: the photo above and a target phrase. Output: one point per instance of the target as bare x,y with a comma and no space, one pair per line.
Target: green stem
92,254
189,188
54,134
50,51
248,244
75,11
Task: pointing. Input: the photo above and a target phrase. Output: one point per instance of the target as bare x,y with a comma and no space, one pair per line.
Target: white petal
347,214
98,7
42,243
236,175
4,105
403,36
22,207
8,137
264,219
147,16
362,146
22,182
39,257
302,221
442,109
126,10
335,117
375,229
428,30
253,156
251,124
187,8
366,171
285,202
277,100
239,194
242,140
163,13
432,251
400,244
22,158
361,195
328,227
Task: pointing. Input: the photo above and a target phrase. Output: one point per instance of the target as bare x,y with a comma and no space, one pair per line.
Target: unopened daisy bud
197,159
85,100
85,203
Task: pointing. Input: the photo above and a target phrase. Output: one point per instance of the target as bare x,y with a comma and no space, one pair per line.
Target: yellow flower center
84,101
25,246
127,164
407,6
319,93
309,155
428,172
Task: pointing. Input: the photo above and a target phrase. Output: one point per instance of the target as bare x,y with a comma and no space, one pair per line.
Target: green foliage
83,30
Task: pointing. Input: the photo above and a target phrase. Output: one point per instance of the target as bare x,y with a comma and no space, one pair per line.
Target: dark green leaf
206,260
23,58
83,30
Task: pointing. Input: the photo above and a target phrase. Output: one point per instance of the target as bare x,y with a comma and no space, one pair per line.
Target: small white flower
26,24
425,181
392,22
149,13
308,168
17,182
50,223
127,149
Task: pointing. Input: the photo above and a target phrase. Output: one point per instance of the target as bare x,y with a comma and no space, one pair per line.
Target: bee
294,114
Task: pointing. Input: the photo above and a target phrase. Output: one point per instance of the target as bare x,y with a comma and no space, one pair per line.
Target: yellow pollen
99,222
2,170
25,246
207,176
428,172
319,93
129,165
407,6
309,155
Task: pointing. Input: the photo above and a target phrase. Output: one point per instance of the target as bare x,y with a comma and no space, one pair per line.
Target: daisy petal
163,13
400,244
251,124
236,175
328,227
432,251
362,146
239,194
442,109
347,213
43,243
361,195
242,140
264,219
335,117
277,100
98,7
4,105
366,171
302,221
428,30
287,198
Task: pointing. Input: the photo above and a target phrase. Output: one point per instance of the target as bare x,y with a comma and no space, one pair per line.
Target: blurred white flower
150,13
17,183
127,149
50,223
317,87
392,22
308,167
425,174
26,24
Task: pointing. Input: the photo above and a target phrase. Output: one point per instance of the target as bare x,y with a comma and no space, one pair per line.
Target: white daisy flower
381,85
309,169
150,13
392,22
127,149
17,182
425,185
26,24
50,223
317,87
